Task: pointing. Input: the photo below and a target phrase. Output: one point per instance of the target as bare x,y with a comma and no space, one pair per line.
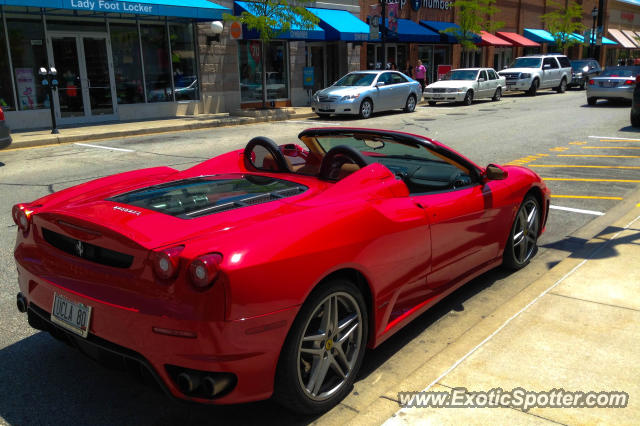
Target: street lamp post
49,79
592,38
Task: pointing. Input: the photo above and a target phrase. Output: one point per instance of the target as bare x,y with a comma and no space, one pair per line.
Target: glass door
316,60
85,77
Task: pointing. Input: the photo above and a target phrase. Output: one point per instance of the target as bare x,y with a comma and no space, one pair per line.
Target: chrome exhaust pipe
21,302
212,387
187,383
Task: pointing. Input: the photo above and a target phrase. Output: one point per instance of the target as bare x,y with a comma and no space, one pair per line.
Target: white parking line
105,147
569,209
314,122
615,137
394,419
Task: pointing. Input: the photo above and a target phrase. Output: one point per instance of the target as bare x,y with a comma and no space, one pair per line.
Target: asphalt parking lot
589,157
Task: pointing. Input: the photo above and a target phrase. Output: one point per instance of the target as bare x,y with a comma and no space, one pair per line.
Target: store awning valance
196,9
412,32
539,36
447,37
517,39
620,38
296,32
489,39
632,37
340,25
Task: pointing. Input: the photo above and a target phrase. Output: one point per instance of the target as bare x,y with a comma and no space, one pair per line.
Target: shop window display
155,51
127,67
28,53
183,58
6,89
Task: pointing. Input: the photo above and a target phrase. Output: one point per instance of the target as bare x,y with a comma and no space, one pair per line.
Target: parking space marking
104,147
577,143
569,209
615,137
583,166
593,180
559,149
610,147
598,155
619,140
314,122
586,197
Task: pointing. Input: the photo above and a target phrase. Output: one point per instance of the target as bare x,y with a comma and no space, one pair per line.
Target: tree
271,18
474,16
563,22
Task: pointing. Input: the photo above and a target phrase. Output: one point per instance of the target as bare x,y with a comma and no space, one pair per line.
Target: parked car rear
613,84
5,133
582,70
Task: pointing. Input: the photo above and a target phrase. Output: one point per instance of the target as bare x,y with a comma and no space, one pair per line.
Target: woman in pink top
420,74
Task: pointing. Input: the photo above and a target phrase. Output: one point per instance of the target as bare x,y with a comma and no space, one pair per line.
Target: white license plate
74,317
610,84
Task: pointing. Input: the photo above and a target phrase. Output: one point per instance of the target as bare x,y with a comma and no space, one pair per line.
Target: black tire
582,84
563,86
497,95
468,98
431,103
635,119
533,90
592,101
523,237
366,108
297,365
410,105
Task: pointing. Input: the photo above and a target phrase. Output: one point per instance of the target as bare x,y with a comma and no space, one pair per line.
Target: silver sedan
363,92
614,83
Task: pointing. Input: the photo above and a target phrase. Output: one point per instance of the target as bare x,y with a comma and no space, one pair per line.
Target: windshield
578,65
356,79
526,63
620,72
461,75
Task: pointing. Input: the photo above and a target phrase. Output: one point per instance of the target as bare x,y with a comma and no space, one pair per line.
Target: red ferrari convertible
269,270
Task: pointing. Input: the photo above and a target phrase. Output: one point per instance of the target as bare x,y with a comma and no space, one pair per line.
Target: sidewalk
90,132
576,328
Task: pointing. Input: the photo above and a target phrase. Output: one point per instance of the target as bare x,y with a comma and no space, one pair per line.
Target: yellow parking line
599,156
594,180
611,147
589,197
586,167
620,140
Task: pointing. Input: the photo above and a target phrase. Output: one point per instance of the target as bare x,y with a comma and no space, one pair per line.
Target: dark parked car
5,133
635,104
582,70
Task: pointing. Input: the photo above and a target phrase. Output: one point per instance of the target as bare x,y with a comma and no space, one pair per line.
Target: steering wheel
337,157
458,180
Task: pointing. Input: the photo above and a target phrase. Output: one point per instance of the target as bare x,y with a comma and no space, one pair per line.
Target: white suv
533,72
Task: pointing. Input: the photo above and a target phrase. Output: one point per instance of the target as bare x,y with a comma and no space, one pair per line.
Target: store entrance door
86,90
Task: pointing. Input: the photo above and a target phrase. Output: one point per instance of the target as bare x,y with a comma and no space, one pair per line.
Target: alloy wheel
365,109
525,231
330,346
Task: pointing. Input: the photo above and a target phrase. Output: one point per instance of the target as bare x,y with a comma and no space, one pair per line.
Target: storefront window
6,90
250,61
183,58
127,67
155,51
28,53
276,70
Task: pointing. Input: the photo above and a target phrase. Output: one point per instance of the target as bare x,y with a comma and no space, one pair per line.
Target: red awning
489,39
517,39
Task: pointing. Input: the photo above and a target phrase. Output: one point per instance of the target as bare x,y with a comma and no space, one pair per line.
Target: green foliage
473,16
564,21
273,17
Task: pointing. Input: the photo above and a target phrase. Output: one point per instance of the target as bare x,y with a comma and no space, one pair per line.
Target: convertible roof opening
201,196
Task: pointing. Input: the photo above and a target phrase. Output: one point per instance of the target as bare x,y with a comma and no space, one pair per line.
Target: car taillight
638,79
166,262
629,82
591,82
204,270
1,114
22,217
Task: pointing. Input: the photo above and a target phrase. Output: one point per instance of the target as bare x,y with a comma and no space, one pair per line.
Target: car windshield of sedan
579,65
461,75
201,196
620,72
526,63
356,79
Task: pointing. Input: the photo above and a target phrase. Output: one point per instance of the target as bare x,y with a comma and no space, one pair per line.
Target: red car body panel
408,250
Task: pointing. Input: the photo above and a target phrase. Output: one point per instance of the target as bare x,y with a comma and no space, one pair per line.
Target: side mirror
481,79
495,172
380,84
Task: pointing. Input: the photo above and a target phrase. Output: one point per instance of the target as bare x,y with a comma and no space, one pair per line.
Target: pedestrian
420,74
393,66
408,70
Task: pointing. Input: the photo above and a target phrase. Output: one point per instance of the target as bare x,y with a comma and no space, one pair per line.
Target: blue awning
540,36
296,32
196,9
341,25
411,32
588,35
448,37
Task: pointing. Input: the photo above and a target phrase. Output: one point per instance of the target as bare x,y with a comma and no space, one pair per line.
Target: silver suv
533,72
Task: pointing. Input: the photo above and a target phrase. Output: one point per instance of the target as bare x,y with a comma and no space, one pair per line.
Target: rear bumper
625,93
246,350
